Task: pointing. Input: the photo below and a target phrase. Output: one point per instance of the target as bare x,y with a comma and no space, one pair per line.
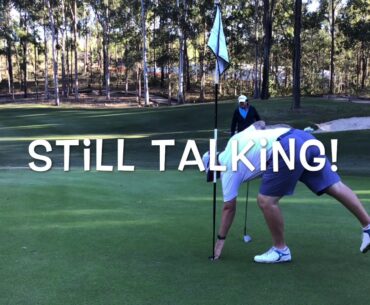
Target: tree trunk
90,66
364,65
154,48
332,50
267,41
24,43
162,76
297,55
68,91
169,89
75,47
100,65
46,74
126,80
86,47
202,69
105,26
35,72
10,66
143,28
180,94
256,53
63,30
71,68
138,84
55,61
187,66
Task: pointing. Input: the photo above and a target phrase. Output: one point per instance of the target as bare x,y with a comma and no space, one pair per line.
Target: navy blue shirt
239,123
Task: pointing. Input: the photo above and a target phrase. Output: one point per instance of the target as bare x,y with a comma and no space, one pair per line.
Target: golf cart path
354,123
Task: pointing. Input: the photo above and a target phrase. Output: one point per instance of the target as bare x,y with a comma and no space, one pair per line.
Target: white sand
354,123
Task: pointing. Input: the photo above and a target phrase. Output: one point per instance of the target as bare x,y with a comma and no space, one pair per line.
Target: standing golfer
275,185
244,116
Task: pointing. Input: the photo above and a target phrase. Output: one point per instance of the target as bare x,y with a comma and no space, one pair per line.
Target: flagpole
215,136
217,43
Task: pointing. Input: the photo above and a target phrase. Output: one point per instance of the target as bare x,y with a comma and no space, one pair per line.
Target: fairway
93,238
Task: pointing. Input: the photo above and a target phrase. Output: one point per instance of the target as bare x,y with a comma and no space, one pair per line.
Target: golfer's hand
218,248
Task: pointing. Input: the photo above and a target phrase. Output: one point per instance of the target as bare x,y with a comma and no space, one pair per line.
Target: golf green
143,237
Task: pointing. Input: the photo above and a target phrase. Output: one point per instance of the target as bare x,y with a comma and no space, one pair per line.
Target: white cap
242,99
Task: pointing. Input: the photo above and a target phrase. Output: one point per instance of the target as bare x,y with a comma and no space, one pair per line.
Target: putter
246,238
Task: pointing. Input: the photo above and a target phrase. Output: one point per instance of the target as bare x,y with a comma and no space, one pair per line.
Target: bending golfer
275,185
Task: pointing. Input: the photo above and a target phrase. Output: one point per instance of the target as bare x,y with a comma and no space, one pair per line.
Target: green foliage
194,19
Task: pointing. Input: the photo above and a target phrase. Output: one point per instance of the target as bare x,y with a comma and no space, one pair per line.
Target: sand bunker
355,123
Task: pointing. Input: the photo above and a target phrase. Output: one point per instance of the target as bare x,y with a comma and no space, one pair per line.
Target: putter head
247,239
213,259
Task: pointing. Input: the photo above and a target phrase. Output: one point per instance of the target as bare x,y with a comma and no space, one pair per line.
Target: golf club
247,238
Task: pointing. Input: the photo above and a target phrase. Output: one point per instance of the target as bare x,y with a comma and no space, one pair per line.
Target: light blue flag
217,43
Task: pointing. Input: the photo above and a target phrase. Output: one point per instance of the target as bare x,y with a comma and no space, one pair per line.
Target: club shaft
246,210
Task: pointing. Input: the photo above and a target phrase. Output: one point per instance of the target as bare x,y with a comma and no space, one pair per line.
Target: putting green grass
144,237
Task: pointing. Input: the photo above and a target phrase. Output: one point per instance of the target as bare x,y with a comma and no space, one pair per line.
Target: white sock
282,250
366,228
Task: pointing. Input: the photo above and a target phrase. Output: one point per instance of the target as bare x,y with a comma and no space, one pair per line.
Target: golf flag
217,43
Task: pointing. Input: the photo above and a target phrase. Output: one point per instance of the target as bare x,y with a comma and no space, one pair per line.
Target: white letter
33,154
191,146
320,161
263,143
235,157
99,158
121,149
212,158
87,155
277,150
162,151
67,145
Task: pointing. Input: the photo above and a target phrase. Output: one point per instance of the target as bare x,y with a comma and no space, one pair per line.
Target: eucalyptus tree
181,20
24,9
166,38
240,38
355,25
74,13
7,33
53,50
268,13
297,54
145,42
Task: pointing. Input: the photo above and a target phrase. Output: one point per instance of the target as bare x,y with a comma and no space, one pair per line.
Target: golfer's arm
227,218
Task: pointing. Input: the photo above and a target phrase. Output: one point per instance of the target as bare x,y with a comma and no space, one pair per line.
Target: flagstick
215,136
217,43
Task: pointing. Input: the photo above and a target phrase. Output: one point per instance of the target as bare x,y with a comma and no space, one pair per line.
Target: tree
297,55
256,42
355,24
143,29
53,51
7,34
75,21
182,7
332,49
268,10
63,29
